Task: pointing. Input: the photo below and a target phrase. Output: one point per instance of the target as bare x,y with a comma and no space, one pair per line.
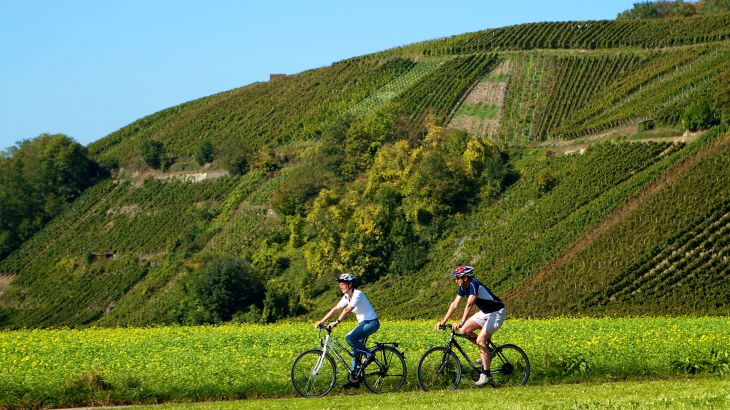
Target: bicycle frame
453,342
331,344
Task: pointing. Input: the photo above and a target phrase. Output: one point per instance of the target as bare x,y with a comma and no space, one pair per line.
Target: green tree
151,152
658,9
225,286
205,153
698,115
237,156
715,6
283,299
366,136
38,178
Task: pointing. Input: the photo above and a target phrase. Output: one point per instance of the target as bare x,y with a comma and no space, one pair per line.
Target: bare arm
327,316
452,308
346,311
467,308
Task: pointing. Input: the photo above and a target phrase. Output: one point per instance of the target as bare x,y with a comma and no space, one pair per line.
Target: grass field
74,367
711,393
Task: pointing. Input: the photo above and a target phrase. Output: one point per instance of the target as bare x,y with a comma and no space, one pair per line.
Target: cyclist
489,318
353,300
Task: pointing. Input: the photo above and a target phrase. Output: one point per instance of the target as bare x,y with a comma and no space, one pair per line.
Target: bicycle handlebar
322,326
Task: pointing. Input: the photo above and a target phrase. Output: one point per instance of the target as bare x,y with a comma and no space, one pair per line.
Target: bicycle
440,368
314,371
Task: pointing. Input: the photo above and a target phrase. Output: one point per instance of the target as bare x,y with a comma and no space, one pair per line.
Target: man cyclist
354,300
489,318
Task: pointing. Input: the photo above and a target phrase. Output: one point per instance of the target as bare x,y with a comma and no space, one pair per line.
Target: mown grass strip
712,393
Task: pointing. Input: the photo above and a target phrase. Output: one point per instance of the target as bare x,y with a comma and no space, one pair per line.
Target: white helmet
347,277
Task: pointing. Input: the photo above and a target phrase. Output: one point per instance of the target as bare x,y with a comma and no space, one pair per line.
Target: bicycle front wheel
510,366
387,373
313,373
439,369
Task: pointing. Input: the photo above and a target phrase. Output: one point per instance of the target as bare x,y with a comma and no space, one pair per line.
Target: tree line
676,8
38,178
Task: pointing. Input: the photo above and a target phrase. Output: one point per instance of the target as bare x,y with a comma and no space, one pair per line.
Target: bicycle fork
320,361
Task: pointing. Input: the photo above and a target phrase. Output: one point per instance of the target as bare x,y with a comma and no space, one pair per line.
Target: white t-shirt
360,305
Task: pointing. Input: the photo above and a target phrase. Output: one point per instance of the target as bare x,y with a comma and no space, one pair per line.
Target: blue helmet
462,271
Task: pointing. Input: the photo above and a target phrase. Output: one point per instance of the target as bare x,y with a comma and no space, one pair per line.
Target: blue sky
86,68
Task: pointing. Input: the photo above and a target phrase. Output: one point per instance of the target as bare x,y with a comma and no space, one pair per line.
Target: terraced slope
657,33
616,229
665,252
259,115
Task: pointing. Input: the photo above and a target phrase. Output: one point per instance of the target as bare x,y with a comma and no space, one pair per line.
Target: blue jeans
357,336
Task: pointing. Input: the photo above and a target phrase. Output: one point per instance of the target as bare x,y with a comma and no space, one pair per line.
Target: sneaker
351,385
484,380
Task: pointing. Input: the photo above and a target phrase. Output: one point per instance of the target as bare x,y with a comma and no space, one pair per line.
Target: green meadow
112,366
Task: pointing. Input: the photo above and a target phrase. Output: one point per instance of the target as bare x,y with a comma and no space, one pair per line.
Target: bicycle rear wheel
387,373
439,369
510,366
312,374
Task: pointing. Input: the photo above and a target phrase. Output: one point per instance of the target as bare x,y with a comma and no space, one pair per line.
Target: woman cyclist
353,300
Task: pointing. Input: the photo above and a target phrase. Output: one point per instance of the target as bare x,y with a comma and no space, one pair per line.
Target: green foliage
225,286
718,362
257,116
606,34
270,260
698,115
151,152
405,202
205,153
668,246
721,96
347,167
38,179
659,87
364,138
43,368
282,300
439,92
714,6
545,181
659,9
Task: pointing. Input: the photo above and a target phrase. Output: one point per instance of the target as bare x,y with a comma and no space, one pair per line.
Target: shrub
151,152
698,115
545,181
225,286
282,300
205,153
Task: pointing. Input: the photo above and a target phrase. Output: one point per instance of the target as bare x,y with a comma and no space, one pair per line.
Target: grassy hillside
522,244
398,165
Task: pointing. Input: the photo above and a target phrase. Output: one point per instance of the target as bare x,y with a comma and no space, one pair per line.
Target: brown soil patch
487,92
5,282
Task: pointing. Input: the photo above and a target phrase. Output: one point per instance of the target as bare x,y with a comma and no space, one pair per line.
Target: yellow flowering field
66,367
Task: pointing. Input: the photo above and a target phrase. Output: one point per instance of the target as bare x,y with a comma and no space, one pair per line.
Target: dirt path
620,134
